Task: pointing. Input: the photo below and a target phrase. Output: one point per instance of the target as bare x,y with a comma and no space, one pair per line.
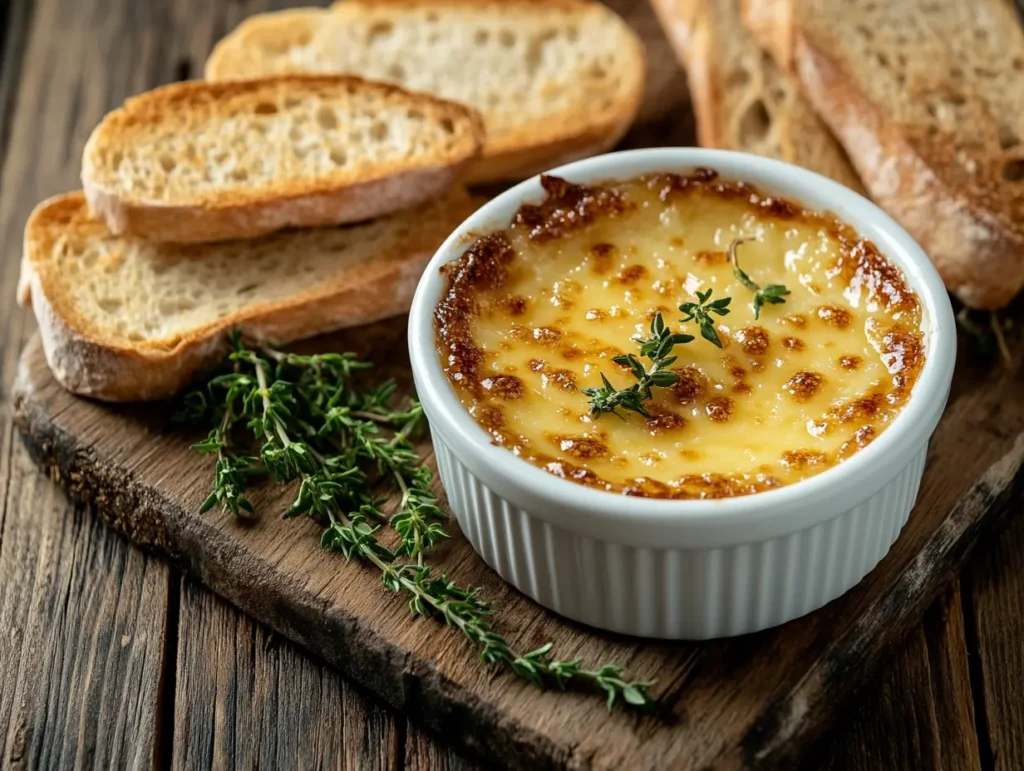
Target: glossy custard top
533,314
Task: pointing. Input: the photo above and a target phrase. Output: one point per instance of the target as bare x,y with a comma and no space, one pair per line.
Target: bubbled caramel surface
532,315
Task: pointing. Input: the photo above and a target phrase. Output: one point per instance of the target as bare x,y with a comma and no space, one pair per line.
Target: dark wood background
108,658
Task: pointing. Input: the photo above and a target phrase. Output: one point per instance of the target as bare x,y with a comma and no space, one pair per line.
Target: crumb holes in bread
240,175
755,123
415,114
507,38
338,156
985,72
738,78
379,130
109,304
326,118
396,71
295,133
116,158
447,126
883,60
432,17
481,36
167,163
1007,138
379,30
572,34
265,108
1013,171
865,32
291,101
247,288
1018,63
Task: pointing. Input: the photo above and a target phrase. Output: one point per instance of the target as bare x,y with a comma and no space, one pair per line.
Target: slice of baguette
554,80
123,319
200,162
927,97
742,100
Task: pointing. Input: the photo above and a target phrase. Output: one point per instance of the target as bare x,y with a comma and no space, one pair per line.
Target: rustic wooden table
109,658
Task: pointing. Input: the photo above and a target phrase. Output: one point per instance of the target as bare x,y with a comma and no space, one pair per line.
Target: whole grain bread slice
927,97
200,162
742,99
124,319
554,80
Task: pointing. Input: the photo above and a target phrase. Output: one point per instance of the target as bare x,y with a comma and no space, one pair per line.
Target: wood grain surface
755,700
949,697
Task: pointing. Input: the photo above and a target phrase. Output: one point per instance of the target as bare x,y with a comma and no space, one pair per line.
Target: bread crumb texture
567,63
196,141
128,292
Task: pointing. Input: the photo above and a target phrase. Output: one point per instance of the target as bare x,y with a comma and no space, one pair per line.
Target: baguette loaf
742,100
200,162
927,96
123,319
554,80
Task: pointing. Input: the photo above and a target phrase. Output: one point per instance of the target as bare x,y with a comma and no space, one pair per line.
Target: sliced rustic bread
742,100
554,80
200,162
927,97
124,319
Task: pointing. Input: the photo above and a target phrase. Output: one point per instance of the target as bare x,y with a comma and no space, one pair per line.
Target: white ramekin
686,569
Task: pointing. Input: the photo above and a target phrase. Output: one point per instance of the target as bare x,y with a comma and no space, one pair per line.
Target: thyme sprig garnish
772,294
313,427
658,348
702,311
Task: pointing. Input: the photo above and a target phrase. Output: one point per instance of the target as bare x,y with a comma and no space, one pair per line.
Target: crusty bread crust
980,259
728,78
342,197
251,218
536,145
89,363
976,246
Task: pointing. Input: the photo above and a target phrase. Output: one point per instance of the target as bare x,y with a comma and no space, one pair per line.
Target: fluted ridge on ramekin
678,593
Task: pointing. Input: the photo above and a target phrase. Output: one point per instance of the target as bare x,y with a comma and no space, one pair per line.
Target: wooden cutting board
759,700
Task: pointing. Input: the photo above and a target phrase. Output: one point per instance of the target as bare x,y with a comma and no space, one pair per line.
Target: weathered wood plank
247,698
919,712
82,615
173,38
782,683
995,583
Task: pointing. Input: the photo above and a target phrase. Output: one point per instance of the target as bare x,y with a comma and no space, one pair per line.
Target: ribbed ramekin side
678,593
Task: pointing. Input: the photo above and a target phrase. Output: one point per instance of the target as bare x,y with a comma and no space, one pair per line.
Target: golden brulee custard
533,314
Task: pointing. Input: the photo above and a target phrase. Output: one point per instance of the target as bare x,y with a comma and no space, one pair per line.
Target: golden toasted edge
558,138
978,257
342,197
88,363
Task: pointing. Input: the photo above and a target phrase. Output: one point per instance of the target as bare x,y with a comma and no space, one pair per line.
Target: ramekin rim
785,509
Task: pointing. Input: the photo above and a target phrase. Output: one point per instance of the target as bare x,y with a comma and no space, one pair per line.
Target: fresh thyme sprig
702,311
313,427
772,294
658,348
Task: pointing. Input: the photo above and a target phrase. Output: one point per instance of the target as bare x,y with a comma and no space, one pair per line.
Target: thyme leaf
773,294
315,429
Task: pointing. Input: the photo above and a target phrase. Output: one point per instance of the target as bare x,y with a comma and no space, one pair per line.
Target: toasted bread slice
200,162
124,319
926,96
742,100
554,81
